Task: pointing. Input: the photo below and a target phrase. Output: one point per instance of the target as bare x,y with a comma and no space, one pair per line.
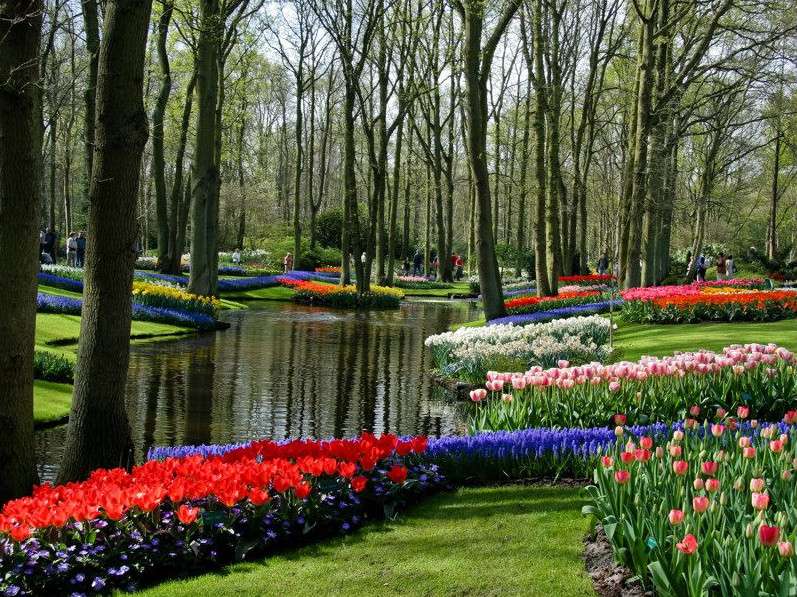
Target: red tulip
622,477
302,490
19,533
397,473
694,410
767,535
358,483
347,469
187,514
675,517
646,442
627,457
688,545
709,468
713,485
680,467
258,496
743,412
607,461
620,419
700,503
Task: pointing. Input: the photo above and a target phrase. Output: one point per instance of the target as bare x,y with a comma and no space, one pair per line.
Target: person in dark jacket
81,250
417,263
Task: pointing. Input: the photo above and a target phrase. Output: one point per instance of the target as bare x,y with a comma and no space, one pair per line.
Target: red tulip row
254,474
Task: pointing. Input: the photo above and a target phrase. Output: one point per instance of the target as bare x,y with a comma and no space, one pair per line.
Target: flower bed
763,378
258,282
703,511
469,353
703,302
61,282
420,283
183,515
48,303
156,294
330,269
530,304
558,313
334,295
587,279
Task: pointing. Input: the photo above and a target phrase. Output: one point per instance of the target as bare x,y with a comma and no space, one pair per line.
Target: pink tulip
622,477
680,467
700,503
709,468
776,446
478,395
712,485
749,452
757,485
675,517
760,501
785,549
614,386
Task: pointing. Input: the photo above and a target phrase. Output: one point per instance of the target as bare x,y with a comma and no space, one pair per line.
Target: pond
284,370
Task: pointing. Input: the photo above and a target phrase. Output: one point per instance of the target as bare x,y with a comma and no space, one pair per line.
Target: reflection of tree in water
288,371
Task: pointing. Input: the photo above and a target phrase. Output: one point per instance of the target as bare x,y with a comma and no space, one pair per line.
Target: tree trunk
772,224
91,27
524,167
205,169
99,432
239,236
394,200
177,203
158,160
20,189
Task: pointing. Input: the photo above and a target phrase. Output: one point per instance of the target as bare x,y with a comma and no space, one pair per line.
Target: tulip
478,395
757,484
721,412
677,435
620,419
698,484
358,483
738,484
659,452
785,549
717,429
614,386
760,501
700,503
776,446
749,452
507,398
709,468
694,410
397,473
646,442
743,412
676,517
786,475
713,485
768,536
627,457
688,545
618,431
607,461
622,477
187,514
675,451
563,364
744,442
680,467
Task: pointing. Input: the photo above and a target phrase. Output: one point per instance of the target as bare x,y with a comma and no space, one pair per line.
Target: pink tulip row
739,358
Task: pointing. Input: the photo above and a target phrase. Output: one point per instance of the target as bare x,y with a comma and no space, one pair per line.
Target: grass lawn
636,339
51,401
510,540
275,293
457,288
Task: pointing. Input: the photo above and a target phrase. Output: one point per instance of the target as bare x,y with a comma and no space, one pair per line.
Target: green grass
510,540
457,288
51,401
635,340
59,291
275,293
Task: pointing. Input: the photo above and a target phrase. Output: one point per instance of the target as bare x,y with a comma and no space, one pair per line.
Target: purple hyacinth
558,313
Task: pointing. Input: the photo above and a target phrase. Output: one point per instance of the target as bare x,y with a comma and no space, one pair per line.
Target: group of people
74,248
726,267
457,264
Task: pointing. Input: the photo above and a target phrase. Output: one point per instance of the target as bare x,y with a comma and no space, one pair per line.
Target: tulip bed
703,302
183,515
587,279
531,304
707,510
156,294
420,283
761,377
334,295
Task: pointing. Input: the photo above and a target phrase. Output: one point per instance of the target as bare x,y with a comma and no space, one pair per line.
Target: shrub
51,366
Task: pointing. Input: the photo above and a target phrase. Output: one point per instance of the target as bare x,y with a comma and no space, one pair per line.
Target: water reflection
284,370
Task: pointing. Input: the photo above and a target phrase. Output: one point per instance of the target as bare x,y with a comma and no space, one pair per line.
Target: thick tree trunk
158,160
205,169
99,432
20,188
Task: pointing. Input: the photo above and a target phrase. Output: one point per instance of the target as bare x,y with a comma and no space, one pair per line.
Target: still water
284,370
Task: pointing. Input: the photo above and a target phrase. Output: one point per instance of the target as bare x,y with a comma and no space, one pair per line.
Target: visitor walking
71,249
80,252
236,257
287,263
459,266
603,264
51,244
730,267
721,266
701,268
417,263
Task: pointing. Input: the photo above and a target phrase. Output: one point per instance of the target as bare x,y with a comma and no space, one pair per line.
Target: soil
608,578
